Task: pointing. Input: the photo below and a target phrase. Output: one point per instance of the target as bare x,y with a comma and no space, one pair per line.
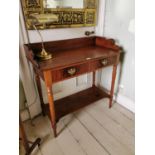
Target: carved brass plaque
68,15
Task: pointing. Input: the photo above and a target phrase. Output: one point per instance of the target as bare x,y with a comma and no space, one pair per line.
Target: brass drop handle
71,71
104,62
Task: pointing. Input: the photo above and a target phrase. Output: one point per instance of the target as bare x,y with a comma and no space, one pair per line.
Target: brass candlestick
42,19
43,55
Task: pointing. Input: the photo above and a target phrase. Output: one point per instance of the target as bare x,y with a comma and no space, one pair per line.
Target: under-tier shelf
76,101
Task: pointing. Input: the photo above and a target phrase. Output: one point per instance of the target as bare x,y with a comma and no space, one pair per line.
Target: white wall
59,34
119,24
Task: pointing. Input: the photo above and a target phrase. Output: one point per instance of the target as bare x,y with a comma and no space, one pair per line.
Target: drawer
89,66
69,72
103,63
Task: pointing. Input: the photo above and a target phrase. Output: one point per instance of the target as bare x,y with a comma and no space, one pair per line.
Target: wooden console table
72,58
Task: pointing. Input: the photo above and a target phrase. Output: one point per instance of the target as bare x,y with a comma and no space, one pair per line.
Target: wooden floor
94,130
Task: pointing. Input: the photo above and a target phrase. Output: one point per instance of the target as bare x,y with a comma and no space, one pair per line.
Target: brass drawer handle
104,62
71,71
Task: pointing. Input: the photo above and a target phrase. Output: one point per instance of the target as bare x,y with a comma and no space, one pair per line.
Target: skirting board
125,102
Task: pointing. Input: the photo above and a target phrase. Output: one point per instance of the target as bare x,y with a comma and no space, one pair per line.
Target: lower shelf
77,101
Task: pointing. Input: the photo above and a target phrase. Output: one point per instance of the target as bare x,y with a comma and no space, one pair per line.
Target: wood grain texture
72,51
69,58
112,85
85,133
124,122
62,74
107,140
94,77
81,55
86,67
83,137
124,112
76,101
48,82
112,127
108,43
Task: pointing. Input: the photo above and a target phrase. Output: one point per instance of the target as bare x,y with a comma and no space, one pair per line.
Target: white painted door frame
99,29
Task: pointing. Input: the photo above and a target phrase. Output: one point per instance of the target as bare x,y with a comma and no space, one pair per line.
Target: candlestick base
43,55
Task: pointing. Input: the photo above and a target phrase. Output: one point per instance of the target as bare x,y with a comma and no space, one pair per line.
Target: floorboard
84,139
67,142
116,116
124,111
112,127
104,138
93,130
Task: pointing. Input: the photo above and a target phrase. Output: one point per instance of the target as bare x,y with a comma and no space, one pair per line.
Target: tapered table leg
112,85
40,92
48,82
93,78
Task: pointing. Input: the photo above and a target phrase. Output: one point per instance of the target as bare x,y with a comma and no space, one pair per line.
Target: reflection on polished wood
81,55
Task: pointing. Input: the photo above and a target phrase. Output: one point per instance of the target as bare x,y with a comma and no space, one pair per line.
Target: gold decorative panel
90,4
67,17
32,5
90,16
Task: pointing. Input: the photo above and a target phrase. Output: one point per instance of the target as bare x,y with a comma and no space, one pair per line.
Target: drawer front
73,71
69,72
103,63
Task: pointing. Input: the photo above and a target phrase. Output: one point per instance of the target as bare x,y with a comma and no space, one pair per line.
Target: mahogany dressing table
72,58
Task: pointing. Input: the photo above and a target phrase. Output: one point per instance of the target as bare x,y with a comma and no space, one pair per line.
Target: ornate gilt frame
67,17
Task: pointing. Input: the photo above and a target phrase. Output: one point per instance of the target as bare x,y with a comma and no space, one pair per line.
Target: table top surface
72,52
71,57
